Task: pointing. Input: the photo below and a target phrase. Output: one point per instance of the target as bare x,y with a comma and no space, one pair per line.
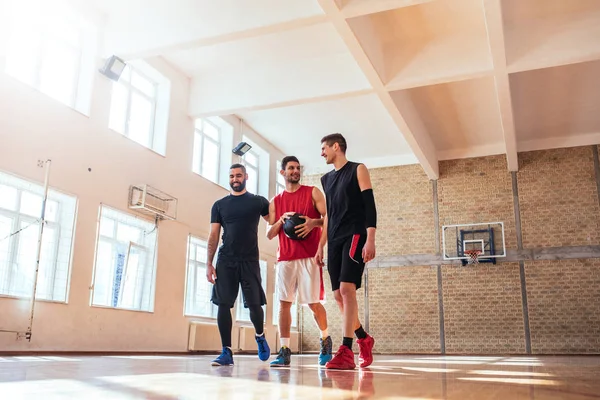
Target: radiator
204,336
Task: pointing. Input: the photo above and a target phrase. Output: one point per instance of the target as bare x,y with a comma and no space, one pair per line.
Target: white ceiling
405,80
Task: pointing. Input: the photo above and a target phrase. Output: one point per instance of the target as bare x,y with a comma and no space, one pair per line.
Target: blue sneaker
283,358
326,350
264,352
226,358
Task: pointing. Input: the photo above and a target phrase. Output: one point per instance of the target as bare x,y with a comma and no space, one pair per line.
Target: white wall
32,127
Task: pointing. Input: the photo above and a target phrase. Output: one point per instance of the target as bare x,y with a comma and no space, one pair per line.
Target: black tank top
345,206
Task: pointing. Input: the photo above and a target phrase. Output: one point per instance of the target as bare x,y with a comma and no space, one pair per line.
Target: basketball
289,227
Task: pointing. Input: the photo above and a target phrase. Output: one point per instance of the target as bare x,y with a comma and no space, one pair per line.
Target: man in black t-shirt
349,229
239,214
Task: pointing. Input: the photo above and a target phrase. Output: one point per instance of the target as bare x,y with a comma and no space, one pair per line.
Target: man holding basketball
297,272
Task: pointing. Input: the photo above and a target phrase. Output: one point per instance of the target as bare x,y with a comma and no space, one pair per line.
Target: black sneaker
283,358
326,350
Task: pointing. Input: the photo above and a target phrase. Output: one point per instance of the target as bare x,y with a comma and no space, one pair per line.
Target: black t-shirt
345,206
239,216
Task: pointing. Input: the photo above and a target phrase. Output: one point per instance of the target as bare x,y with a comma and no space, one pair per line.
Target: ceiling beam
279,104
415,133
357,8
229,37
495,31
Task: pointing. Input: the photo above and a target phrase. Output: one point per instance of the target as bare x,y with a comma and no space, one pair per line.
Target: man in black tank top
349,229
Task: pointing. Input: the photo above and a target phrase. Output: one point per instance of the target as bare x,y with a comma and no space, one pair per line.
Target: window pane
201,254
31,204
210,160
124,272
199,290
51,211
140,119
118,108
8,198
197,152
6,227
142,83
211,131
22,57
252,183
126,233
64,31
107,227
24,269
18,260
251,159
59,71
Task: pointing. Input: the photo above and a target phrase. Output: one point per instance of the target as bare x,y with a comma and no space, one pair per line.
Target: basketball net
473,256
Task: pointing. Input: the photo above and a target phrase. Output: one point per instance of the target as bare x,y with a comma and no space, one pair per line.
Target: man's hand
304,229
319,257
368,251
286,216
211,273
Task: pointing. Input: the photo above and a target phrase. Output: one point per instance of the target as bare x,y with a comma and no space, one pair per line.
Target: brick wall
403,310
405,222
483,311
558,198
564,316
477,190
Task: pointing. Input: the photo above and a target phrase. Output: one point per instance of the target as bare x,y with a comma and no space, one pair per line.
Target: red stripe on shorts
353,246
322,286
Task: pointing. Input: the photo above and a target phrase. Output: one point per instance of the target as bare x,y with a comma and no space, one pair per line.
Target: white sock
324,333
285,342
262,334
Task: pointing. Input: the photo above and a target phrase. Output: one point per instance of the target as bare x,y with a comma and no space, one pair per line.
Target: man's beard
239,188
292,179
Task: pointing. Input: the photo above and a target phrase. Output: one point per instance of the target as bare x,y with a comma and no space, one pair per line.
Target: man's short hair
335,138
286,160
237,165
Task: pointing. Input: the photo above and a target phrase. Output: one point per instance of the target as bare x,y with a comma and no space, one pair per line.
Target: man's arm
274,224
364,182
213,242
319,257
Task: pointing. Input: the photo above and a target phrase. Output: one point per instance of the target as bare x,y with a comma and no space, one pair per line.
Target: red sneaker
365,357
343,359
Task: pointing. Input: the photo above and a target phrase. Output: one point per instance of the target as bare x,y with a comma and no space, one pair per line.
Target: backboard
487,237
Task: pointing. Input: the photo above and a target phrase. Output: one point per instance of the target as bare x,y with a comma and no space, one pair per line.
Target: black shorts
232,274
344,260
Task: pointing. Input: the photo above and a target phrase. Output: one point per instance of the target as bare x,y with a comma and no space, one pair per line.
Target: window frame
255,168
130,88
19,219
203,137
114,241
196,267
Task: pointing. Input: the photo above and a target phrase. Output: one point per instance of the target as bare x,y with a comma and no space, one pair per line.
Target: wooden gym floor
390,377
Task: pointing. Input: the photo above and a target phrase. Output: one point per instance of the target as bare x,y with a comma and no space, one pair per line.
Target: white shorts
303,277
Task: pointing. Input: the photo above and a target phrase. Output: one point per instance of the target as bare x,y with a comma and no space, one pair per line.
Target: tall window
20,213
242,313
133,106
280,182
198,289
258,165
45,49
252,168
207,150
125,268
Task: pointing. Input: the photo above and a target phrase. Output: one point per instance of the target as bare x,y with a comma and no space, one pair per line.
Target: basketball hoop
473,256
